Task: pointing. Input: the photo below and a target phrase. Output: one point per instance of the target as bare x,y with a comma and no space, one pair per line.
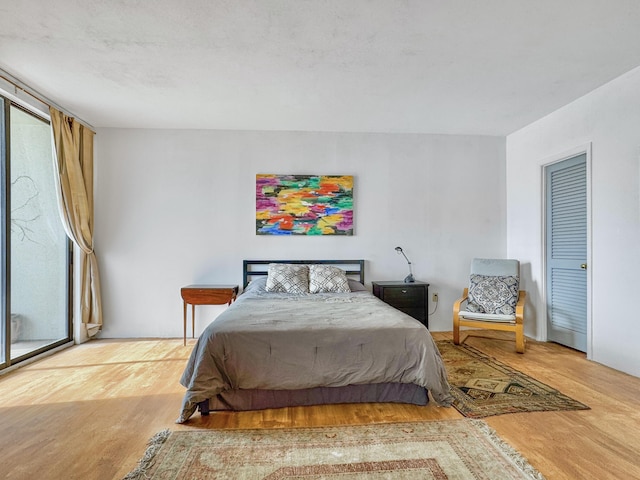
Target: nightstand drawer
404,297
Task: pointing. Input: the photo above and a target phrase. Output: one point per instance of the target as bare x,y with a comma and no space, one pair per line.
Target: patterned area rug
483,386
438,450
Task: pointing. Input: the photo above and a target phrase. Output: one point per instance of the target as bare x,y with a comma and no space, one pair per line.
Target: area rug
439,450
482,386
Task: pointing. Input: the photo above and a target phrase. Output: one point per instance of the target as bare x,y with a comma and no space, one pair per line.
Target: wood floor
87,412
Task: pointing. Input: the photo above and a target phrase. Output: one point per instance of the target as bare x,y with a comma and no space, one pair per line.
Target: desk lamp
409,278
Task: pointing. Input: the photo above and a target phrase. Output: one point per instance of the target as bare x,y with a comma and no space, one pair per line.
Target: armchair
493,300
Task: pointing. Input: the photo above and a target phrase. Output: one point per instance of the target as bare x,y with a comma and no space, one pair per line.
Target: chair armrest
458,303
522,296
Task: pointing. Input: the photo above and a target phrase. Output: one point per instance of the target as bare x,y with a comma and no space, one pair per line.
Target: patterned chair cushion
284,277
326,278
493,294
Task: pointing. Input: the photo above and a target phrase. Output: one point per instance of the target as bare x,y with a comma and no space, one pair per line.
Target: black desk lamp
409,278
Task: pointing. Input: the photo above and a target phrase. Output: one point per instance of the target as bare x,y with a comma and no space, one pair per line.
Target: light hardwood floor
87,412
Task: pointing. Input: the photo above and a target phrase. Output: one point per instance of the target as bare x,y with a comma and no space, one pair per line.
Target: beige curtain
73,144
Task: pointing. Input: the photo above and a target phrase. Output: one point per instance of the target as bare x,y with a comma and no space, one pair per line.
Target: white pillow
325,278
284,277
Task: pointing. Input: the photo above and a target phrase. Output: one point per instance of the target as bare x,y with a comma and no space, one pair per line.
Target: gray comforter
279,341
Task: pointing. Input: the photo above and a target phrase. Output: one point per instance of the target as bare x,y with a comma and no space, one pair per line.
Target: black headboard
258,268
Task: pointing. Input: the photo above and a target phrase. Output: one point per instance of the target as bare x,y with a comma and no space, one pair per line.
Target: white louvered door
566,246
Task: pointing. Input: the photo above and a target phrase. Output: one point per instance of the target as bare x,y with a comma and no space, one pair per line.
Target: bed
280,345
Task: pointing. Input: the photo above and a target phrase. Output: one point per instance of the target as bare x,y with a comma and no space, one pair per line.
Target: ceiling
417,66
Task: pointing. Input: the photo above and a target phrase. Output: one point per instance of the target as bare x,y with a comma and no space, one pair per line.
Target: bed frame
240,400
259,268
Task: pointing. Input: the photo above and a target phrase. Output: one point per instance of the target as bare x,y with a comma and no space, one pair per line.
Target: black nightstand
411,298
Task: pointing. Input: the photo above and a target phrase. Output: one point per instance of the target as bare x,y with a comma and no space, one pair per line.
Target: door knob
583,266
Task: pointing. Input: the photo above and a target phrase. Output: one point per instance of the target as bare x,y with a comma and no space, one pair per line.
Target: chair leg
456,330
520,338
456,316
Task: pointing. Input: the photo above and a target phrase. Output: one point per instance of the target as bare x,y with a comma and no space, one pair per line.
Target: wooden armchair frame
516,326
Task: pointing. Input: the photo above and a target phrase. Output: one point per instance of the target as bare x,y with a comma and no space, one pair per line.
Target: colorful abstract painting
304,204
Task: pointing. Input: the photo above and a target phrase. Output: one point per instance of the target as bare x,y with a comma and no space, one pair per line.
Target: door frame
566,155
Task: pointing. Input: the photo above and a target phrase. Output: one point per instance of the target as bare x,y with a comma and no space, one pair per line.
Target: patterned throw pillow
325,278
493,294
283,277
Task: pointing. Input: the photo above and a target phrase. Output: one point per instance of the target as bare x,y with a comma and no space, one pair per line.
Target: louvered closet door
566,215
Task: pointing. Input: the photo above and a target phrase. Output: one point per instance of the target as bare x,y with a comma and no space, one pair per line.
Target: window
36,253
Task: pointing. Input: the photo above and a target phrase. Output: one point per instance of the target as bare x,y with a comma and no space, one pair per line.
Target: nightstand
205,295
411,298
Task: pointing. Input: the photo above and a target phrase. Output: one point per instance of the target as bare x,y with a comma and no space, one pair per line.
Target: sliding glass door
35,249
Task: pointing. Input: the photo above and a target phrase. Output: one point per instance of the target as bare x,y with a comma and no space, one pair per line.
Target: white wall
175,207
609,118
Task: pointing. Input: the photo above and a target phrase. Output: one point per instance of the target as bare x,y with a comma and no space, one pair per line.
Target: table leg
184,317
193,321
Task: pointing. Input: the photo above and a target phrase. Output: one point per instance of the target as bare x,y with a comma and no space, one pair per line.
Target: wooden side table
411,298
205,295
